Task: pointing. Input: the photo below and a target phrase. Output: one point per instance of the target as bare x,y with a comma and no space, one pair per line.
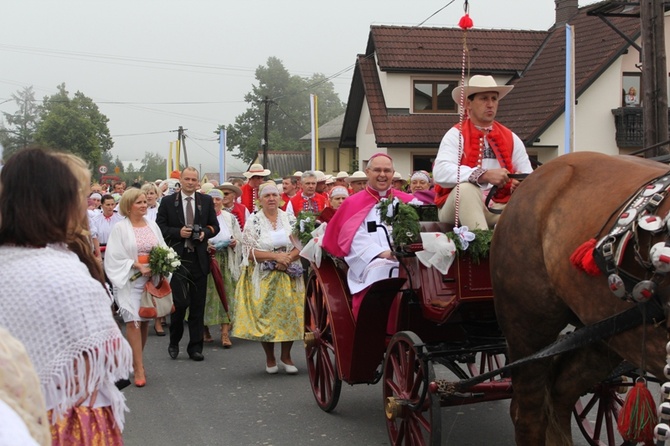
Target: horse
538,291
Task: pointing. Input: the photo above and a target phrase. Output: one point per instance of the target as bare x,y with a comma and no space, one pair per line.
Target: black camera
195,232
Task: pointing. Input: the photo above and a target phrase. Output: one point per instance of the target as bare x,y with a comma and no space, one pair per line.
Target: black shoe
196,356
173,351
159,333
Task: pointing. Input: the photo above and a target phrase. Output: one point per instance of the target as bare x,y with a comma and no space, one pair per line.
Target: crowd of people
91,244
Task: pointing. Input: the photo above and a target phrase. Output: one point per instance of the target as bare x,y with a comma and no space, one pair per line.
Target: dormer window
433,96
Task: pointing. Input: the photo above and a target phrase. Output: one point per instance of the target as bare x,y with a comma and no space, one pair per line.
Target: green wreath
304,225
404,220
478,249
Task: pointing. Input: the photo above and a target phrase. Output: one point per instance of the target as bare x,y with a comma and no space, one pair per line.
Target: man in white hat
357,181
489,153
341,179
255,175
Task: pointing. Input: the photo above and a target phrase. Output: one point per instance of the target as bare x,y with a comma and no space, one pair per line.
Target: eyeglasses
225,194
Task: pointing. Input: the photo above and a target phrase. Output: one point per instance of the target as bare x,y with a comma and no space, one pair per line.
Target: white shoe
272,370
290,369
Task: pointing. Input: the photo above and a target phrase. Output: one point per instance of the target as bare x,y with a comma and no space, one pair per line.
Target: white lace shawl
257,235
230,228
50,302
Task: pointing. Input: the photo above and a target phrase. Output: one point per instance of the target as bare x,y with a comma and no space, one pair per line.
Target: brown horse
538,291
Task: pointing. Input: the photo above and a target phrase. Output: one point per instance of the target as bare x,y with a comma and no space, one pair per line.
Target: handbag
156,300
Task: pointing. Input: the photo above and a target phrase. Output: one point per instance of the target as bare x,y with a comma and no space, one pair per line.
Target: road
228,399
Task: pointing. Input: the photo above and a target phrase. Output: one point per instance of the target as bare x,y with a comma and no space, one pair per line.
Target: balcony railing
629,129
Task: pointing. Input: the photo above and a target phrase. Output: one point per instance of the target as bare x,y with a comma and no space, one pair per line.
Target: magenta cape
349,216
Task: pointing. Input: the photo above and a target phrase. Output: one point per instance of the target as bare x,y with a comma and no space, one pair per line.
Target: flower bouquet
305,224
294,270
163,261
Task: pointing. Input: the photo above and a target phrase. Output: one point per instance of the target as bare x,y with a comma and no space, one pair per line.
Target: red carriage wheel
319,348
412,413
596,413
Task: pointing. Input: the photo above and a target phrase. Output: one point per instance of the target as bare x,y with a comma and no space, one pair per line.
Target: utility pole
182,141
654,76
266,101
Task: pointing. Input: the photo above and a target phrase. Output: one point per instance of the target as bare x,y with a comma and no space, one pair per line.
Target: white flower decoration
465,236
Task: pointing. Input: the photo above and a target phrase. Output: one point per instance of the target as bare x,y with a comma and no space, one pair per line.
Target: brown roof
406,49
538,97
538,57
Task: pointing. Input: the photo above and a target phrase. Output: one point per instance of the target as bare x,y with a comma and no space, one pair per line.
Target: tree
74,125
289,116
153,166
22,125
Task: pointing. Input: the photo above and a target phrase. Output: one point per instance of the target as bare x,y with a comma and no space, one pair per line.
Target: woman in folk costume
63,315
228,255
269,295
128,250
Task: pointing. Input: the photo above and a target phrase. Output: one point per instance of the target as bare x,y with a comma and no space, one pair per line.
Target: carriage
432,339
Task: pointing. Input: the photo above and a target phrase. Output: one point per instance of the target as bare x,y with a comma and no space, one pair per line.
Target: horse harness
639,214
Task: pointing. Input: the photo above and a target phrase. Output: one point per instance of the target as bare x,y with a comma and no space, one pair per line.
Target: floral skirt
276,315
214,312
86,426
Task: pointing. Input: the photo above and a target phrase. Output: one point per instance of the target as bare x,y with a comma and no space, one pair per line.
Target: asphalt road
228,399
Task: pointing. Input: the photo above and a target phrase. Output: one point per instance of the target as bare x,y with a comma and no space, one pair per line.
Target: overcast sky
153,65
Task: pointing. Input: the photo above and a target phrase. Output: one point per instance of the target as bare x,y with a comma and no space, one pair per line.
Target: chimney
565,10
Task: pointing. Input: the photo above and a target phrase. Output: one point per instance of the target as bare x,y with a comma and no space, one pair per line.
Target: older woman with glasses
269,294
228,256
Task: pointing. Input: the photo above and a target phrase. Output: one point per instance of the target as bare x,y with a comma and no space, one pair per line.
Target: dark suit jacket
170,219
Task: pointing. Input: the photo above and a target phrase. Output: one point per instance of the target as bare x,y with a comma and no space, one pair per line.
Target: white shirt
101,226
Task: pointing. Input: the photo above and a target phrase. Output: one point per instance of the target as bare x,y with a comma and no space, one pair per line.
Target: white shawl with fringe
230,228
50,302
257,235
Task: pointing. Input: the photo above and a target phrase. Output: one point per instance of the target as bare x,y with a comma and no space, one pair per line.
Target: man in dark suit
187,219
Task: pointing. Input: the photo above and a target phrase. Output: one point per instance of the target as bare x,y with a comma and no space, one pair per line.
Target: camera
195,232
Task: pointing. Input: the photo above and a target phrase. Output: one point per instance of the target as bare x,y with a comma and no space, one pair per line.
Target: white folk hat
256,170
357,176
480,84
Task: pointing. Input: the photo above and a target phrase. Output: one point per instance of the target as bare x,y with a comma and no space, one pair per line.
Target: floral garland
477,242
305,224
403,219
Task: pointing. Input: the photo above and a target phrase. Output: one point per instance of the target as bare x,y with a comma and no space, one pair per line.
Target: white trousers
471,210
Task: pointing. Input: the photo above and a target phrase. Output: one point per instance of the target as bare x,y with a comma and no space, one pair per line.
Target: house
400,97
332,158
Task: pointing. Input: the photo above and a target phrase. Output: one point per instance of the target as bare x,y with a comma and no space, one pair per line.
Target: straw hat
231,187
298,173
320,176
357,176
256,170
330,179
342,175
398,177
481,84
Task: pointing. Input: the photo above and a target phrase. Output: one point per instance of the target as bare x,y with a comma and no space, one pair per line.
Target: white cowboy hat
342,175
231,187
357,176
480,84
297,174
320,176
256,170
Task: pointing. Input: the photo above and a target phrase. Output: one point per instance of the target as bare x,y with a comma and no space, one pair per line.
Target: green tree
153,166
21,125
74,125
289,113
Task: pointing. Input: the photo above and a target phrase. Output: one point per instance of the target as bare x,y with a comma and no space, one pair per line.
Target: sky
155,65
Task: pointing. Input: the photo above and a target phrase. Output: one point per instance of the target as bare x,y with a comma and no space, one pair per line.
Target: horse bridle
494,190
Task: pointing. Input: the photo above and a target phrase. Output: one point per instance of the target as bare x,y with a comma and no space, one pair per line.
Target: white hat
397,176
231,187
330,179
342,174
256,170
357,176
480,84
339,191
320,176
297,173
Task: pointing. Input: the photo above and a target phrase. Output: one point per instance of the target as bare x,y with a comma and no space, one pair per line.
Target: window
433,97
631,84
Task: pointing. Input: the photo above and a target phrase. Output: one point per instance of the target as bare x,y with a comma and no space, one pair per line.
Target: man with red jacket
484,157
308,199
